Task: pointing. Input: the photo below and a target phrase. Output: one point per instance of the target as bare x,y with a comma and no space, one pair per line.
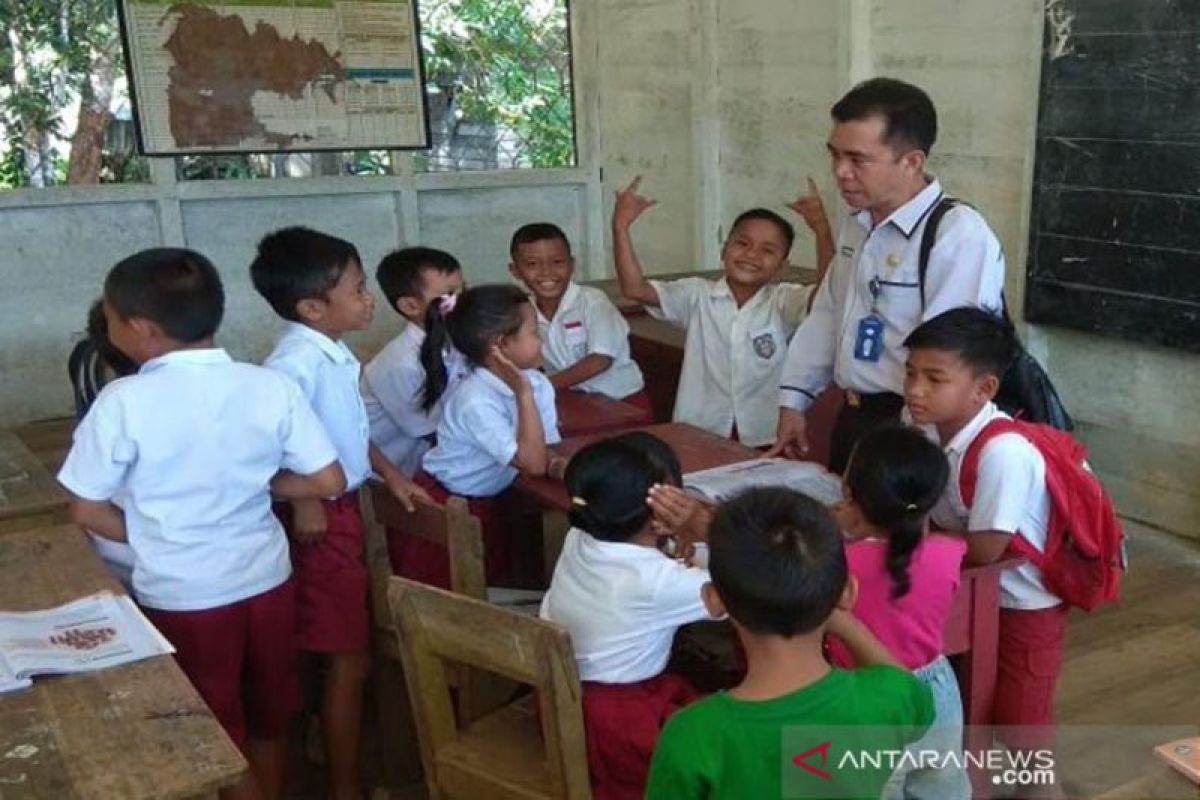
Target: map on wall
274,75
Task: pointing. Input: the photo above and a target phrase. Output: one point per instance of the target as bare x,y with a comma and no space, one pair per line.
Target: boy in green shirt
794,727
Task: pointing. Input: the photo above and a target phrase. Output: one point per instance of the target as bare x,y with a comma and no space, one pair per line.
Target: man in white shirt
872,297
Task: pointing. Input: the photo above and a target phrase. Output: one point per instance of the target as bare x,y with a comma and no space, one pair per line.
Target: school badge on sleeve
764,345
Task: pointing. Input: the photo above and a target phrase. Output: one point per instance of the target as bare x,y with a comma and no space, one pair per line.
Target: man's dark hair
178,290
297,263
910,120
785,227
777,560
983,340
401,273
537,232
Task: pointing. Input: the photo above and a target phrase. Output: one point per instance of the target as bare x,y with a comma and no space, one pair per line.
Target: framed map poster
274,75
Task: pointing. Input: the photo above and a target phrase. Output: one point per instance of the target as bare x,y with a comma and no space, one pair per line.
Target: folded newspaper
721,483
94,632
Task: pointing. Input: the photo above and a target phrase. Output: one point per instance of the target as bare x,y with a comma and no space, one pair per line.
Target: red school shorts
1028,664
621,722
421,560
241,657
331,581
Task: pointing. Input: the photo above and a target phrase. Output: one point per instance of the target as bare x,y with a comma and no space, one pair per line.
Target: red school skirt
421,560
622,722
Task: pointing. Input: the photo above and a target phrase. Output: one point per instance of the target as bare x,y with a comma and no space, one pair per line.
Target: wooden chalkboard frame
1114,241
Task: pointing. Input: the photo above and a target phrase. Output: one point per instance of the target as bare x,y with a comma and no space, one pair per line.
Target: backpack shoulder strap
929,236
968,472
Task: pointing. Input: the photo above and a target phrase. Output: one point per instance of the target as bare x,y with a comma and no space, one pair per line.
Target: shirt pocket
900,296
575,338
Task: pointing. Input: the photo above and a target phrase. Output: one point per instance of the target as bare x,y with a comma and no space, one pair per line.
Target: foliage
506,62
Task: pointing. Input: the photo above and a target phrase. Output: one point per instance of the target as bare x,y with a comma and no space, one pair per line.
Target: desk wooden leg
977,671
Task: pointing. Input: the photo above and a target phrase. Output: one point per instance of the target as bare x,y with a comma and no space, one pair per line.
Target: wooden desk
582,413
133,731
697,449
29,495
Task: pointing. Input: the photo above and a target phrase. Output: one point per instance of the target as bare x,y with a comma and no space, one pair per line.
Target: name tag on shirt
868,344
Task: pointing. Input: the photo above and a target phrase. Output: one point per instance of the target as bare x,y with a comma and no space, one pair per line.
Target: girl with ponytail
497,423
907,578
622,600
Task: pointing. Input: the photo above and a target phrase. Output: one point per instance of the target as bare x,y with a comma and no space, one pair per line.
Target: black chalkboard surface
1115,232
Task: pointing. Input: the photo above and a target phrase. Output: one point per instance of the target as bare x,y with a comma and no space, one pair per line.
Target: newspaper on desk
91,633
721,483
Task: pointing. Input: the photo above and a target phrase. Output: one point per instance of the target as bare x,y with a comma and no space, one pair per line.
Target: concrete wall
759,97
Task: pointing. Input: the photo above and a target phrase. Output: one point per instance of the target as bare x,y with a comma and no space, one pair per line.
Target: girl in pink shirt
907,578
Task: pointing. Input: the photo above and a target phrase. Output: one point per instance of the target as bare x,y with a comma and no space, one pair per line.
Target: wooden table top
26,487
697,449
581,413
135,731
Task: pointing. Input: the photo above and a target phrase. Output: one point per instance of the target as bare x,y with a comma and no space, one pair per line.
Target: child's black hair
777,561
88,359
610,480
298,263
97,334
401,273
909,118
895,477
178,290
537,232
480,314
984,341
767,215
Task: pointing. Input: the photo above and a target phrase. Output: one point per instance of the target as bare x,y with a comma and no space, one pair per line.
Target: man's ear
914,162
849,594
310,309
712,601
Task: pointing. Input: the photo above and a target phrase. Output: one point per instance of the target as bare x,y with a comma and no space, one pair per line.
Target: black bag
1025,390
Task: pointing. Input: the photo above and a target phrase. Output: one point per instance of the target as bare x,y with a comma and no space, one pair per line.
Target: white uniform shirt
588,323
1010,496
966,268
477,437
732,356
189,445
392,384
622,604
327,372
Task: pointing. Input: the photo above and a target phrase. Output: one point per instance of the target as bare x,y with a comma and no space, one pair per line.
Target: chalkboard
1115,231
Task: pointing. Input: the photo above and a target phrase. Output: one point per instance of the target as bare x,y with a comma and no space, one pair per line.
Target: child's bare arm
811,208
405,490
985,547
585,368
863,645
630,275
100,517
533,457
329,481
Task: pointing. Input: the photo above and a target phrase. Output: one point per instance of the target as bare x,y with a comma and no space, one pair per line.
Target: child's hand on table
630,205
308,521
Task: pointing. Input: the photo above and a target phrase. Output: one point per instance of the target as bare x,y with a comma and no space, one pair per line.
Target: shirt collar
208,355
338,352
908,216
961,440
493,382
568,301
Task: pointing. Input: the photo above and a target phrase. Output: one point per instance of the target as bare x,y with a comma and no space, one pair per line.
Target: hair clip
578,501
447,302
911,507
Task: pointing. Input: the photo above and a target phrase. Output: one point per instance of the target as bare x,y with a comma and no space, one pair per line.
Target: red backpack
1085,551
